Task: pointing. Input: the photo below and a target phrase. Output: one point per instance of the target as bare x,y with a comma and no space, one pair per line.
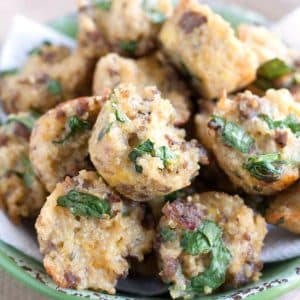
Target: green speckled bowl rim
277,279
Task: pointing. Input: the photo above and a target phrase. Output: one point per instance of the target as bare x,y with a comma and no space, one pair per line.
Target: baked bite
86,233
153,70
255,140
279,64
59,141
52,74
208,241
284,209
137,149
264,43
128,27
21,192
204,46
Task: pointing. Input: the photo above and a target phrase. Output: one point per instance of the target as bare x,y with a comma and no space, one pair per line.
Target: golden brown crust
204,46
21,192
243,235
146,118
49,77
247,111
88,252
124,27
284,209
54,160
113,70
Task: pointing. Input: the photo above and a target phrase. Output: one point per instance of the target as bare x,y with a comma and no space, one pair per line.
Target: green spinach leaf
27,120
85,204
146,147
39,50
167,234
128,46
9,72
207,239
102,4
273,69
233,135
75,125
54,87
290,122
266,167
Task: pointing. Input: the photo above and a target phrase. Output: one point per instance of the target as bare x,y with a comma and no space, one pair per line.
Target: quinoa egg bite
52,74
137,149
21,192
113,69
284,209
59,141
208,241
204,47
86,233
255,139
128,27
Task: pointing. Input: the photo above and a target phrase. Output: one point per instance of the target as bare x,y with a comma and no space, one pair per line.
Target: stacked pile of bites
160,89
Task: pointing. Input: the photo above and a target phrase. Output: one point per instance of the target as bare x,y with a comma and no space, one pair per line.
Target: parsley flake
27,120
54,87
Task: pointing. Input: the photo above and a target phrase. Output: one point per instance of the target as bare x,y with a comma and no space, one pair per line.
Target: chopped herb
297,78
27,173
165,155
84,204
103,4
156,16
266,167
75,125
38,50
9,72
175,195
120,116
290,122
27,120
214,276
129,46
280,221
146,147
104,131
263,84
195,243
167,234
273,69
54,87
234,135
207,239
